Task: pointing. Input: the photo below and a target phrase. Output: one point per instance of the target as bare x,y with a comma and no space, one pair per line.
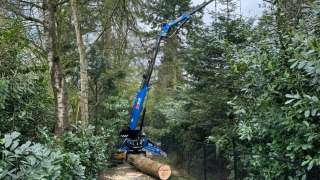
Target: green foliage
277,108
30,160
80,154
170,117
25,104
93,150
203,108
12,43
109,93
157,11
268,77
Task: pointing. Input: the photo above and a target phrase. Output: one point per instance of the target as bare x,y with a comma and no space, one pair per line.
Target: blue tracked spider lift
135,141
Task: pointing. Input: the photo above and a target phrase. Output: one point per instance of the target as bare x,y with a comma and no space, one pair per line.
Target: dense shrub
94,150
25,104
30,160
278,104
77,155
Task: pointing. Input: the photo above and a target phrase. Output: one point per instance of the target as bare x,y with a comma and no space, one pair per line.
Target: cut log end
164,172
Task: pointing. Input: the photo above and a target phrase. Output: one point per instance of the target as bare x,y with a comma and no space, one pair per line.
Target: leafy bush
94,150
35,161
25,104
76,155
278,105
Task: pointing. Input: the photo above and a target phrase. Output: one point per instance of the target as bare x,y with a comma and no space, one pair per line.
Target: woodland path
124,172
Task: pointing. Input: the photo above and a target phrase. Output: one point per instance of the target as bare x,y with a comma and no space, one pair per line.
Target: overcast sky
249,8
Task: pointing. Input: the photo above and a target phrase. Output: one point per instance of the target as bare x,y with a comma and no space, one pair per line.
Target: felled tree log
151,167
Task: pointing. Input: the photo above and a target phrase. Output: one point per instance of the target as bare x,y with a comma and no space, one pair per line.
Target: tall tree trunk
57,79
83,66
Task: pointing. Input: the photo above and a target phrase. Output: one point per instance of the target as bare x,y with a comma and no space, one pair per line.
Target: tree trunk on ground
57,79
149,166
83,66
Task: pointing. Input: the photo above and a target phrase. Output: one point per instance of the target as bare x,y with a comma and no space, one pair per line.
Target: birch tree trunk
57,80
83,66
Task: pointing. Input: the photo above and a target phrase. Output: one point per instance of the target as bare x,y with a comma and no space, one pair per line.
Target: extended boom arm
138,102
134,138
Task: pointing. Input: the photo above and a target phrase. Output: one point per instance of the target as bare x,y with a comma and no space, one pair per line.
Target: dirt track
124,172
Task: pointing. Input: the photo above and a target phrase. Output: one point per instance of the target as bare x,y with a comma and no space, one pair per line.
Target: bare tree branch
109,18
61,3
31,4
15,10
